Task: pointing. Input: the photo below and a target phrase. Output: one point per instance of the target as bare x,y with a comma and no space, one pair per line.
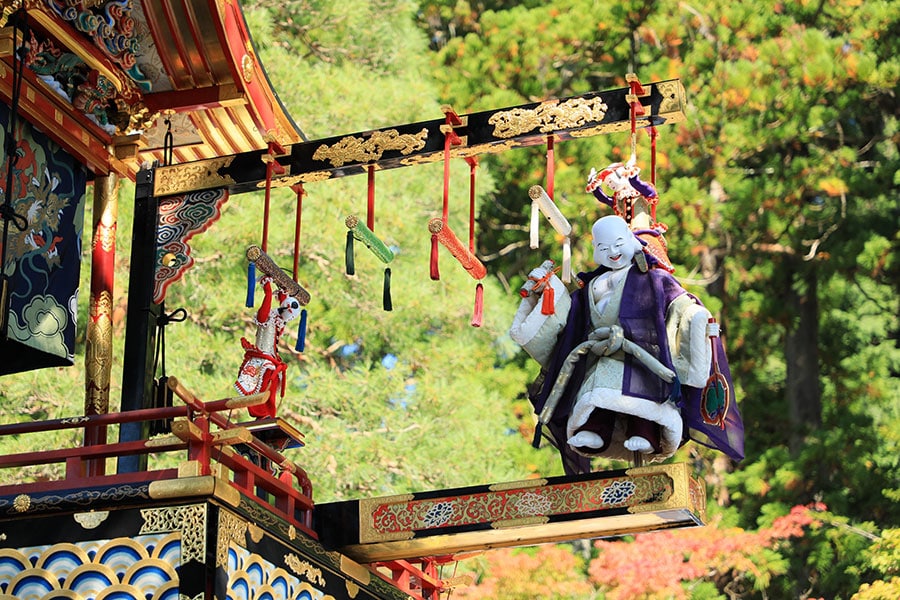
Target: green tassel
386,298
348,255
368,237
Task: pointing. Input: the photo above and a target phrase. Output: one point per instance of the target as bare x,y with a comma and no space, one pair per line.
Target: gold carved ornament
247,68
189,520
548,117
92,519
369,149
191,176
231,529
292,180
304,569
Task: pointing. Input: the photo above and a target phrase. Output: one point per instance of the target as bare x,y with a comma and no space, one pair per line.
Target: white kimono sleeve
689,344
537,332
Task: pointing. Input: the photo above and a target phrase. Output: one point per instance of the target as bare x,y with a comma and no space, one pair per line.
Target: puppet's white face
614,244
289,309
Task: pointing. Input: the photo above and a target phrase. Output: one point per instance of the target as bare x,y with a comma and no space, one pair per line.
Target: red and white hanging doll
635,201
263,369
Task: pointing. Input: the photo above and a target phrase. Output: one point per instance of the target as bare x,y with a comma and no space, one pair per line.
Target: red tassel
435,273
478,315
548,299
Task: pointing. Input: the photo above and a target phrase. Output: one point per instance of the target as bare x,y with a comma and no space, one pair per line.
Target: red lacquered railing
210,438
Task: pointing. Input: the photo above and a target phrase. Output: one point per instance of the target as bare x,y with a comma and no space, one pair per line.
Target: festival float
171,95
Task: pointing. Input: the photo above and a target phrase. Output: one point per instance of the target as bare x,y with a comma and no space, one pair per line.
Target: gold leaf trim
178,179
356,149
518,485
673,97
548,117
90,520
523,522
677,495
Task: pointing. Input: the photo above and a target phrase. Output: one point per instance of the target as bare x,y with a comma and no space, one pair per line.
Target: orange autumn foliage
651,565
706,553
512,574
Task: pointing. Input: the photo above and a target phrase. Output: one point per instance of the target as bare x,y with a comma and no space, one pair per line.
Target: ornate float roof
108,79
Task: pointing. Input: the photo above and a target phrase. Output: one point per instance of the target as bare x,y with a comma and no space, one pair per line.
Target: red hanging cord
473,163
551,166
636,90
478,313
272,166
446,208
269,159
445,213
449,137
653,136
299,191
265,232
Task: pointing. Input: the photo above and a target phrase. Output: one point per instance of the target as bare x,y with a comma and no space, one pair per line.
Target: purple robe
642,315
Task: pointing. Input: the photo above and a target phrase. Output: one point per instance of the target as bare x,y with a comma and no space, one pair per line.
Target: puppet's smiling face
614,244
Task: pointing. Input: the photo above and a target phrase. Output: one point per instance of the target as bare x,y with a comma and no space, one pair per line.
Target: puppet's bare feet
638,444
586,439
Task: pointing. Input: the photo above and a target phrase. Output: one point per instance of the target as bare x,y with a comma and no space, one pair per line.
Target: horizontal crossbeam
486,132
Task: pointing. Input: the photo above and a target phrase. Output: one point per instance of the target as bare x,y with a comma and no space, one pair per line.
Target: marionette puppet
634,200
262,368
631,364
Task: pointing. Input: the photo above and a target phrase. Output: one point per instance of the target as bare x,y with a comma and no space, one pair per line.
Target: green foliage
783,174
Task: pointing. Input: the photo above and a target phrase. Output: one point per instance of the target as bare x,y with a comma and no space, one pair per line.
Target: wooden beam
411,144
521,513
215,96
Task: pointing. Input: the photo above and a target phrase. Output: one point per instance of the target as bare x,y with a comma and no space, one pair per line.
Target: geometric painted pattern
250,577
139,568
398,517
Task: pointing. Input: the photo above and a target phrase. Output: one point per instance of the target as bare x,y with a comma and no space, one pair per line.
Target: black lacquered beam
411,144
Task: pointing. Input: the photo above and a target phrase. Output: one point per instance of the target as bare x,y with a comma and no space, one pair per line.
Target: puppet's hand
593,182
534,285
541,271
631,169
539,277
542,312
